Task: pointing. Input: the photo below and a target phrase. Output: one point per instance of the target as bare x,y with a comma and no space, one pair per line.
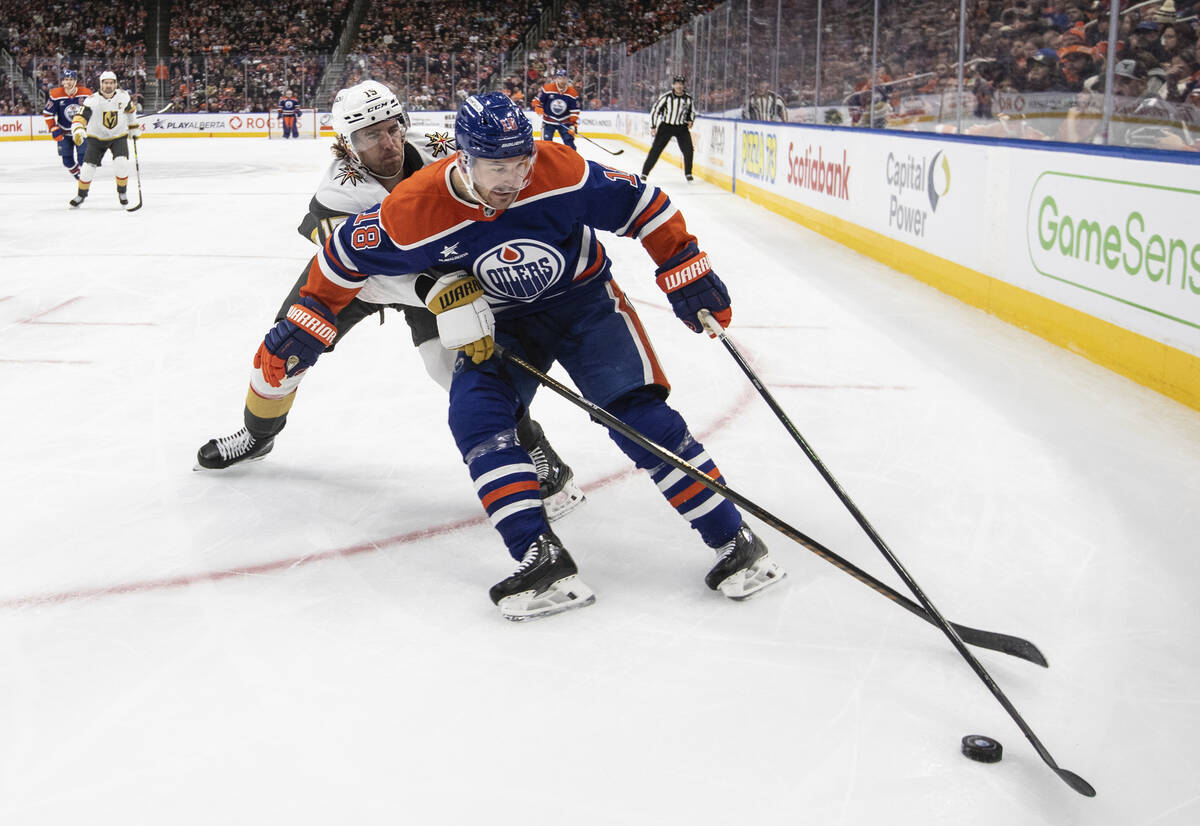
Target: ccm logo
696,268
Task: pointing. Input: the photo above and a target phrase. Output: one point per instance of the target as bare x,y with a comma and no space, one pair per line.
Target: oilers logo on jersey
558,107
521,269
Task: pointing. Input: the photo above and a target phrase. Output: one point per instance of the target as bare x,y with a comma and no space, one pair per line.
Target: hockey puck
983,749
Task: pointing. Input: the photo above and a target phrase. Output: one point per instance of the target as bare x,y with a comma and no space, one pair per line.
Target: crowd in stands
436,53
90,36
227,55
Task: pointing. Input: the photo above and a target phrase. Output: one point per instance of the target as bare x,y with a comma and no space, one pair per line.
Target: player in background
763,104
371,156
61,105
530,271
672,116
107,121
558,104
289,110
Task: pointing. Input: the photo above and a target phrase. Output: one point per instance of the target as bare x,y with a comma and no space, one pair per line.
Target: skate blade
201,467
569,592
566,500
747,582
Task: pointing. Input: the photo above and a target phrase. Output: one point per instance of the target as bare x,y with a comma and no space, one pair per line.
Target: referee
671,116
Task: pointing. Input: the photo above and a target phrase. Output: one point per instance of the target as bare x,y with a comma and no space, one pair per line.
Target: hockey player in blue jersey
503,236
62,104
558,104
289,112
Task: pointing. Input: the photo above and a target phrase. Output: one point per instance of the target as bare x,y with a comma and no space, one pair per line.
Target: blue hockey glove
295,343
692,286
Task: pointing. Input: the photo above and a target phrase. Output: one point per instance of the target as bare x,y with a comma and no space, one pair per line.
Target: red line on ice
411,537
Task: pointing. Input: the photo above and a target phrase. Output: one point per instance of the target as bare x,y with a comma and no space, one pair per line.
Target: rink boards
1093,249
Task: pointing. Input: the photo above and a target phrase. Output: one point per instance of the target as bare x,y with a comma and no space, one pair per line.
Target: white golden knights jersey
107,119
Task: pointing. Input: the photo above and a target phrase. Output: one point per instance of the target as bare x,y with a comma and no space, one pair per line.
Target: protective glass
364,140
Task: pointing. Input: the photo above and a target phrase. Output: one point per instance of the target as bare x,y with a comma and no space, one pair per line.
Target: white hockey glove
465,321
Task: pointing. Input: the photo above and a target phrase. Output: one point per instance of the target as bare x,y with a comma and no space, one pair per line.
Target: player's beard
388,166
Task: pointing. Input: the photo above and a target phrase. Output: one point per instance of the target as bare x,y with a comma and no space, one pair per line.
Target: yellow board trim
1160,367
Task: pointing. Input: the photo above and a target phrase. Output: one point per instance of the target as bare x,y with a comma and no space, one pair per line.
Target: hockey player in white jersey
108,121
372,155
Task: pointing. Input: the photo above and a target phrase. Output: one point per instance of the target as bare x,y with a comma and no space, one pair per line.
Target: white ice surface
308,639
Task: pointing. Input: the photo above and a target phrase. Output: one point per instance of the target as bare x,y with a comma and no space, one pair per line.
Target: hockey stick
1004,643
137,171
1070,778
602,146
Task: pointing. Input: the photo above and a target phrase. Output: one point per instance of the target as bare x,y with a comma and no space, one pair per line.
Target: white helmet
367,103
108,75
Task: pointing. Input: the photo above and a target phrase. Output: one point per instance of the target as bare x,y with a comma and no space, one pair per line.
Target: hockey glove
294,344
57,134
78,133
692,286
465,321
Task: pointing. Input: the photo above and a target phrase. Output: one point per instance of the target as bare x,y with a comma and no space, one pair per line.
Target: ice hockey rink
308,639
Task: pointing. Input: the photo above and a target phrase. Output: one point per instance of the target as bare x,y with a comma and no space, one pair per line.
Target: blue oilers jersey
537,252
61,107
557,107
288,106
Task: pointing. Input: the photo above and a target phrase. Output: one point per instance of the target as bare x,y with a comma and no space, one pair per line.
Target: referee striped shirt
673,109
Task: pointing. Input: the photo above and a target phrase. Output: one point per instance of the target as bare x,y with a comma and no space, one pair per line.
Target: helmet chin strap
464,171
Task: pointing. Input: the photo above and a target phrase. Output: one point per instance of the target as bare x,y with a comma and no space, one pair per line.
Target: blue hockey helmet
560,72
70,74
492,126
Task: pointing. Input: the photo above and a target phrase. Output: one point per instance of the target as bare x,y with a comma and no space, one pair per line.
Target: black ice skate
78,199
743,567
546,582
556,481
123,199
218,454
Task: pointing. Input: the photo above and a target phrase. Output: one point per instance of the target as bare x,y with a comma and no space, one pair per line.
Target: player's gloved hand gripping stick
692,286
465,321
295,343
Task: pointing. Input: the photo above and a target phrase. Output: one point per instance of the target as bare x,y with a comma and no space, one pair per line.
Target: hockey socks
507,485
713,517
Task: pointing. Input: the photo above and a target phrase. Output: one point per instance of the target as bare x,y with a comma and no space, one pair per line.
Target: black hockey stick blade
602,146
1004,643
